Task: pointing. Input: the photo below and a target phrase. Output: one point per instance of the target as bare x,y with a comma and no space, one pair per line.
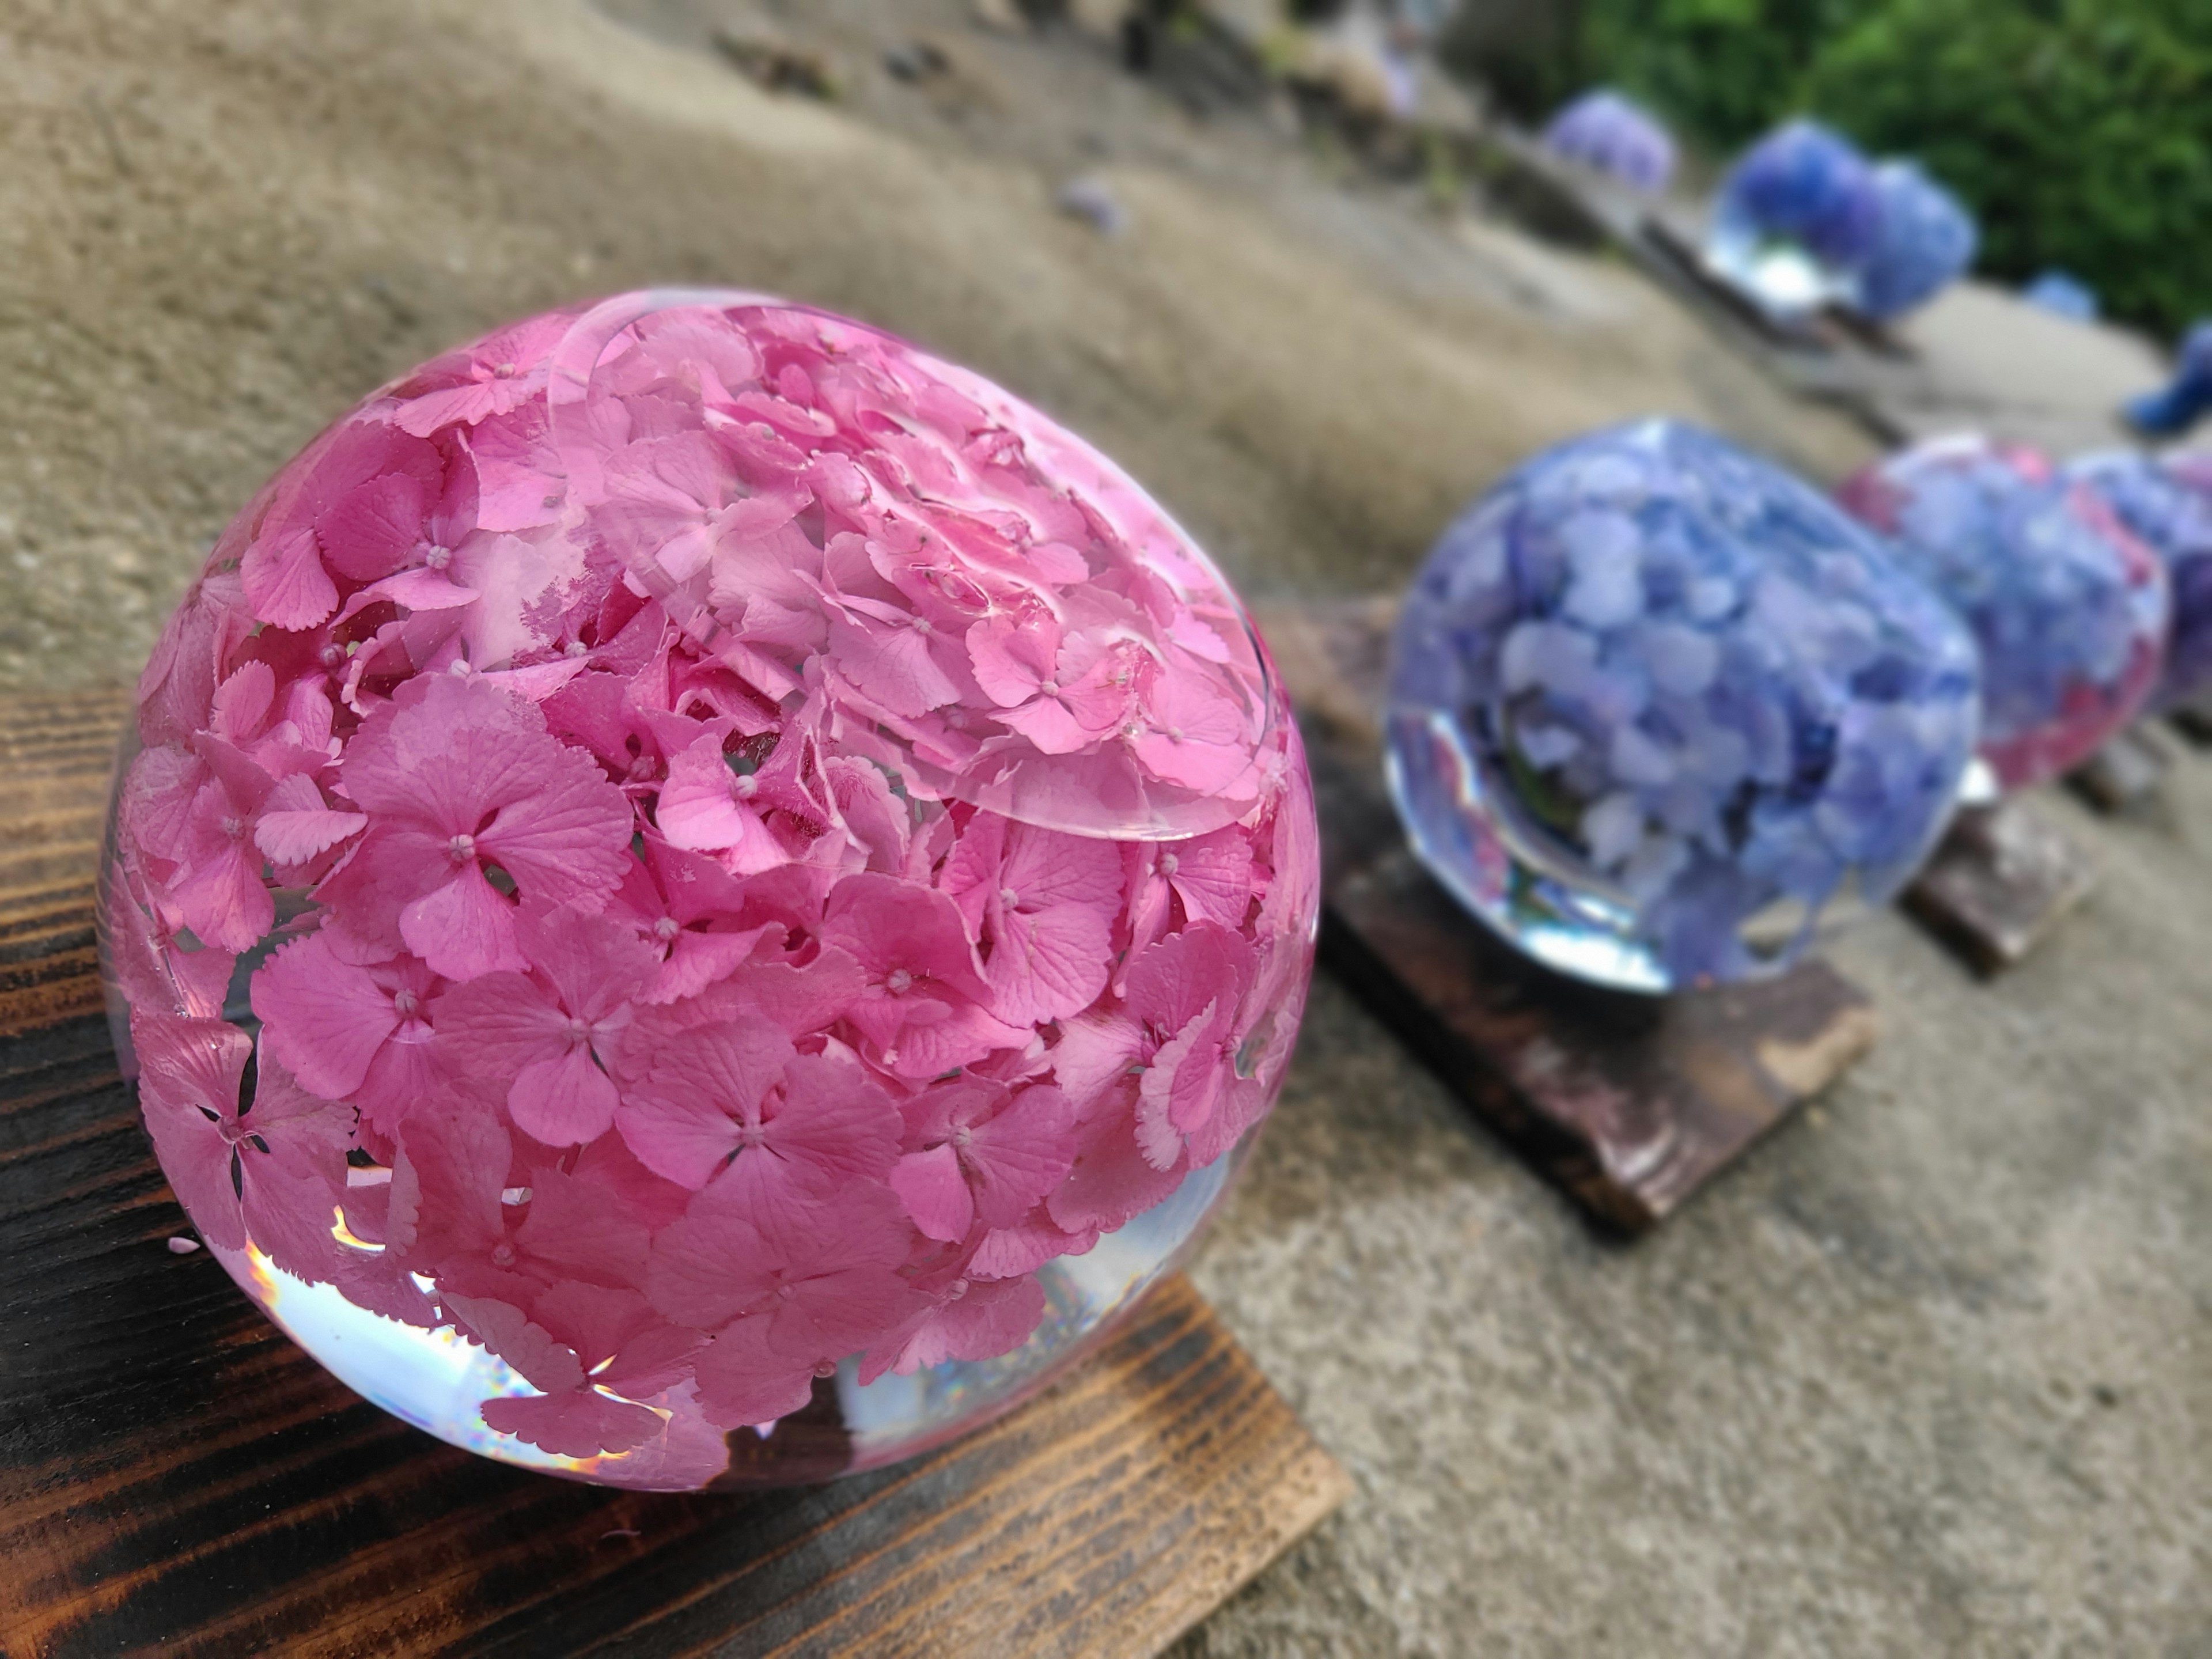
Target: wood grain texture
1631,1104
176,1477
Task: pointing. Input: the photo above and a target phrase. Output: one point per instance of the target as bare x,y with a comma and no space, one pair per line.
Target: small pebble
1092,200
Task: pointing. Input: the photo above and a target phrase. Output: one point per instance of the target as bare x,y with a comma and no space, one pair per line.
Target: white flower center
898,982
437,557
461,848
665,929
403,1003
747,785
1169,863
1009,897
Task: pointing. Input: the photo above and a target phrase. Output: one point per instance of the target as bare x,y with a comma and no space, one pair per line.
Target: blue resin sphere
1606,132
1795,219
2070,611
1923,240
2166,501
1655,703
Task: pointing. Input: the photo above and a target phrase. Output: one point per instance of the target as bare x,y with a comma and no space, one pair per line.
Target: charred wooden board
1630,1103
176,1477
2001,880
2126,775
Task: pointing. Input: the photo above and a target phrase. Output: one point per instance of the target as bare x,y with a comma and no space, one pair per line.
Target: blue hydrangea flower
1807,185
2166,502
1655,703
1923,239
2063,294
2181,403
2070,611
1606,132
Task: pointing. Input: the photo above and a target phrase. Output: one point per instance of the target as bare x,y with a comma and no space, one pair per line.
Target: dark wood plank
2001,880
176,1477
1629,1103
2127,775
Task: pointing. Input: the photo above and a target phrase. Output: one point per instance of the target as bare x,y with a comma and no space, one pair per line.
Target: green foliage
2080,132
1725,66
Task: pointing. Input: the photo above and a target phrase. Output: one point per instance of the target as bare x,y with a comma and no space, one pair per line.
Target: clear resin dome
1656,706
2071,612
700,897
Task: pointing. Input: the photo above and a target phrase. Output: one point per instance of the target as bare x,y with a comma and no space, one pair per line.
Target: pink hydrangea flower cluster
742,841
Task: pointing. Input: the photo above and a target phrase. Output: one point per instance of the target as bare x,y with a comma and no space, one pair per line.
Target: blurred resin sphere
1795,220
1655,705
2166,501
2071,612
1923,240
1606,132
699,897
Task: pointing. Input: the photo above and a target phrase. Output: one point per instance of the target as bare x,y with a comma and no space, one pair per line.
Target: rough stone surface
1931,1373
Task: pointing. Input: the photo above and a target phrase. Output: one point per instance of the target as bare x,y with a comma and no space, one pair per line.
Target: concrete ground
1932,1373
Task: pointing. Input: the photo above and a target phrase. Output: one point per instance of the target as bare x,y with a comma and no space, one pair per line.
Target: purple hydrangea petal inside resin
1924,240
1657,705
1796,219
2070,611
1611,135
2166,501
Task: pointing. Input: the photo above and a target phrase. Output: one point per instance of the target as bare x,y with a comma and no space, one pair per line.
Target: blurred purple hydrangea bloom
2167,503
2181,403
1606,132
1655,702
2070,611
1924,238
1805,184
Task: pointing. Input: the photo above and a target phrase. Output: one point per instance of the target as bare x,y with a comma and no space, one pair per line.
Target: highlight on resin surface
1657,705
688,863
2070,611
2166,501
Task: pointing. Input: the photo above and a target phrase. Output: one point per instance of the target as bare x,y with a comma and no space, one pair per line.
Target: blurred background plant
2078,131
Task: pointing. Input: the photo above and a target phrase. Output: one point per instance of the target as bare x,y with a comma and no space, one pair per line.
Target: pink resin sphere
704,897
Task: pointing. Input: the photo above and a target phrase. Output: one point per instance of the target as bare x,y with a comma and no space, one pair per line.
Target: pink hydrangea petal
985,1321
563,1102
1111,1181
322,1019
934,1190
463,928
681,1136
297,837
508,1332
189,1073
742,1381
369,531
579,1422
1050,965
223,899
286,583
1020,1155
